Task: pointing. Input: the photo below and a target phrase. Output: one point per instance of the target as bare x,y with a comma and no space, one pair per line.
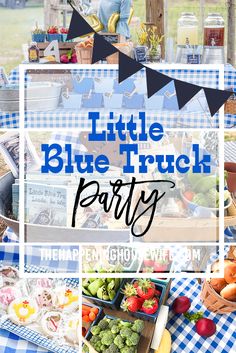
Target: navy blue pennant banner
102,48
216,98
155,81
185,92
78,26
127,67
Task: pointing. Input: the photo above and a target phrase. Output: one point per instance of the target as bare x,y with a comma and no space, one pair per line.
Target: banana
112,22
165,345
130,15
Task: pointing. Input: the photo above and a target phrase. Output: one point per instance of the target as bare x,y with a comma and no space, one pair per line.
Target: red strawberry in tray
132,304
148,263
150,306
129,290
145,289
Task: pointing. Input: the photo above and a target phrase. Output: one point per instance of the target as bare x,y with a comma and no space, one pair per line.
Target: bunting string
185,91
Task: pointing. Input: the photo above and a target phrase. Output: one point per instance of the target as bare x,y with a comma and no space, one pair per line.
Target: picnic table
200,118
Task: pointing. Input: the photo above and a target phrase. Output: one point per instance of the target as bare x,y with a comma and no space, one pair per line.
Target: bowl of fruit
38,35
143,298
201,195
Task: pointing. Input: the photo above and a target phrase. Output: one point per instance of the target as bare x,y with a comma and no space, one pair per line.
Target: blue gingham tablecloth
170,119
184,337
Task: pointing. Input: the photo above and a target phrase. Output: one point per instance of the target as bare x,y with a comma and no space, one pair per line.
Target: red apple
205,327
181,305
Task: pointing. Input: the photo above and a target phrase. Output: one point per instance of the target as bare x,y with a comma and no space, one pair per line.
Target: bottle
214,29
187,29
33,53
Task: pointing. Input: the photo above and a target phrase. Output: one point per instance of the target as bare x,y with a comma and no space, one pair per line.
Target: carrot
85,312
86,318
86,307
92,316
94,310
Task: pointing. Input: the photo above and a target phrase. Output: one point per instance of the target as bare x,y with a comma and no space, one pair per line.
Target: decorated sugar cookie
10,275
45,298
71,328
67,298
7,295
23,311
52,322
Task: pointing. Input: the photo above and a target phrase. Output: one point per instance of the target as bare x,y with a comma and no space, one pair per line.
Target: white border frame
22,244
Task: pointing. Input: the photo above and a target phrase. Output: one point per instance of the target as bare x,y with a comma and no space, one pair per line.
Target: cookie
45,298
23,311
10,275
52,323
71,328
7,295
67,298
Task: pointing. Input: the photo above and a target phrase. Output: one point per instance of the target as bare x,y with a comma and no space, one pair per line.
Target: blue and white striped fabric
62,118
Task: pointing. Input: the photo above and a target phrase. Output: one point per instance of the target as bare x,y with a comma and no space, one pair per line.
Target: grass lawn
16,26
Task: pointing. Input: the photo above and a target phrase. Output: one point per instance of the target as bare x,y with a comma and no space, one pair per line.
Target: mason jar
187,29
214,30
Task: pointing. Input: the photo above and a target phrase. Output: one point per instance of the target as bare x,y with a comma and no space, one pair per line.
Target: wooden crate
63,47
181,229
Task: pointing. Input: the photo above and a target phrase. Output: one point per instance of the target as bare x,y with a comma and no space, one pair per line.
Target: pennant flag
185,92
78,26
216,98
102,48
127,67
155,81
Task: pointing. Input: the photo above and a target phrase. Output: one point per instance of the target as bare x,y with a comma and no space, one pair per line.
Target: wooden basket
84,55
113,59
214,302
230,106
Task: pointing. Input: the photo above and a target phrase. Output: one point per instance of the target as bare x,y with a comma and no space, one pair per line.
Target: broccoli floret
95,330
125,332
108,338
126,324
138,326
95,340
133,340
103,324
119,341
114,323
103,348
112,349
115,329
128,350
85,349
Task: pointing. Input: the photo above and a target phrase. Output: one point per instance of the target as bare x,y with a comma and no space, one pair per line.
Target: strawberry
132,304
189,195
148,263
160,267
129,290
148,270
150,306
157,293
145,289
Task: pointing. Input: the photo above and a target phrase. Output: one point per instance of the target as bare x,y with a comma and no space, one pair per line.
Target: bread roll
215,266
229,292
230,273
218,284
